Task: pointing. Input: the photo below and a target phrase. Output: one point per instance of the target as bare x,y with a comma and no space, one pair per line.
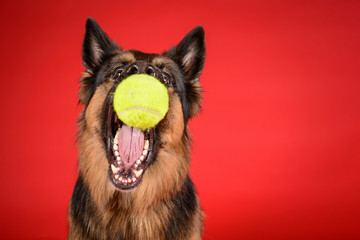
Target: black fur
96,46
83,208
100,58
194,45
182,212
182,209
97,49
97,61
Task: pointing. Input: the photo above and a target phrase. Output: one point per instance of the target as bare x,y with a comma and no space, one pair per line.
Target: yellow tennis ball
141,101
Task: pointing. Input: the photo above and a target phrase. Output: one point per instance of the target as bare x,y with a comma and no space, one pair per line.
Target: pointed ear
190,53
95,46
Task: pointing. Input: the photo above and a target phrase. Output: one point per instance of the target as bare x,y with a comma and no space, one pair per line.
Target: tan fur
92,157
124,57
147,201
147,206
196,228
196,107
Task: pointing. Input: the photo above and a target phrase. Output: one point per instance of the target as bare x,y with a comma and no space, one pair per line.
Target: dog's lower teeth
118,166
114,169
138,173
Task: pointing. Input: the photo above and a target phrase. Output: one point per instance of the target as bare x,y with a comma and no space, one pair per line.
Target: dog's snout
150,70
133,69
142,67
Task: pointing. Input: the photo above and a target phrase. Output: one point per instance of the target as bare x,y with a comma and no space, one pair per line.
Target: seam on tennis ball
140,108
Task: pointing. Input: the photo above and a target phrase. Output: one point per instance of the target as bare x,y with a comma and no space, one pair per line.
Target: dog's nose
142,67
150,70
133,69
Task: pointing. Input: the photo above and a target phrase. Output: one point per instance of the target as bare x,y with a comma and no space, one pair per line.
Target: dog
156,198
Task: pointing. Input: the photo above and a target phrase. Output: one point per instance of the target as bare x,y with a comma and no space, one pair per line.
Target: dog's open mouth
130,150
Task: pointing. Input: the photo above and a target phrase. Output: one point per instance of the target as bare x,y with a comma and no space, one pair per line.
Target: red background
276,150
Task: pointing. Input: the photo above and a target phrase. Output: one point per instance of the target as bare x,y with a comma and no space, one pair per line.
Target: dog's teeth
146,146
133,179
129,180
118,158
120,178
142,157
145,152
116,147
116,141
124,180
116,153
138,161
138,173
114,169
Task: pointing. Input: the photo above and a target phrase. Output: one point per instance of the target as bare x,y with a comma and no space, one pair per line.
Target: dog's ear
96,45
190,54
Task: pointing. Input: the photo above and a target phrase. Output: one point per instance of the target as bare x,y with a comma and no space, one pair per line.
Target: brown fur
145,212
145,204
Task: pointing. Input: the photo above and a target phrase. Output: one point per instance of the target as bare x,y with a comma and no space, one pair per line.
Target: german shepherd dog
154,197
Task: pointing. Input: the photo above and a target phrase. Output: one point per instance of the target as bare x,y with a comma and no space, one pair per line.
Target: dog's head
161,152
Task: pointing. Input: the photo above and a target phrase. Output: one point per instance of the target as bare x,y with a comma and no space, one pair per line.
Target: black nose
142,67
133,69
150,71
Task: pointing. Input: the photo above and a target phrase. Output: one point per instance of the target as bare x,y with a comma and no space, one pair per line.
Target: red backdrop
276,150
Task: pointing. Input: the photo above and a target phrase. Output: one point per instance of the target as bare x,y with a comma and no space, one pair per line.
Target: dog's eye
166,78
117,72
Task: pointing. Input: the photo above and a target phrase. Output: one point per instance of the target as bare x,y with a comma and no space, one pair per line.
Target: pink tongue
131,144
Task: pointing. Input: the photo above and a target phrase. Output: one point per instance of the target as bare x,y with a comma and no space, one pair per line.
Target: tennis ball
141,101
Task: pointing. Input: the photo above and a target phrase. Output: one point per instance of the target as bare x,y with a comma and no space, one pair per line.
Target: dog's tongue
131,144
